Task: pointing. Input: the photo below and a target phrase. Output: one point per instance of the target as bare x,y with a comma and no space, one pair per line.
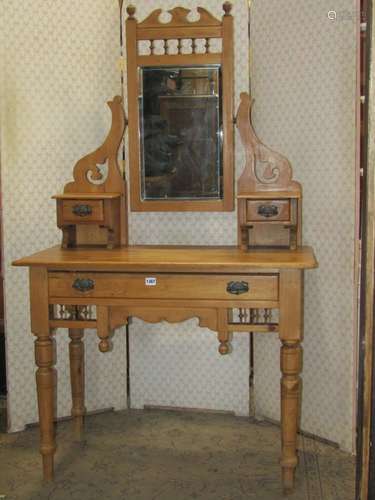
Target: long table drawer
163,286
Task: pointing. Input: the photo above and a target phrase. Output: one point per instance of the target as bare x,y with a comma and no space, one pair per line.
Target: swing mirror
181,133
180,112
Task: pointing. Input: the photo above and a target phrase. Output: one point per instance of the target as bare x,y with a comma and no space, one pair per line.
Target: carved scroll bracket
93,210
265,169
264,187
91,173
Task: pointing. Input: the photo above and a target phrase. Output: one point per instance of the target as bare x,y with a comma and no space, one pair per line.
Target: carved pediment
179,17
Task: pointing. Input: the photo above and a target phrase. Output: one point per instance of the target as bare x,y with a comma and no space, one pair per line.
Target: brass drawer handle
268,211
82,210
83,284
237,287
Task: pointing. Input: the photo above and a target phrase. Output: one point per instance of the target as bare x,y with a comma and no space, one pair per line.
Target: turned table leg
77,378
291,364
45,360
46,389
290,329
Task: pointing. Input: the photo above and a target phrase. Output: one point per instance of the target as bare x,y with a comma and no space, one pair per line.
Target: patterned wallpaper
58,69
303,80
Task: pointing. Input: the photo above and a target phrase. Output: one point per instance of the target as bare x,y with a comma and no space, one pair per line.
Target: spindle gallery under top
171,259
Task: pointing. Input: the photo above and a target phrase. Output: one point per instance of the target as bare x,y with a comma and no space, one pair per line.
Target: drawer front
268,210
79,211
164,286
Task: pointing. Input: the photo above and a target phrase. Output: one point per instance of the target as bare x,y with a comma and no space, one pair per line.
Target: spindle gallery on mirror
95,280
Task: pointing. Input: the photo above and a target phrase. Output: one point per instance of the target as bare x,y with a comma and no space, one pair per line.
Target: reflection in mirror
181,133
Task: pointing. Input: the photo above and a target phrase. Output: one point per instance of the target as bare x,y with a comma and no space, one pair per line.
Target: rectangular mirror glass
181,133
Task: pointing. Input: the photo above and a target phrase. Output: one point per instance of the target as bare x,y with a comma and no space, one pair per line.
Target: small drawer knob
268,211
82,210
237,287
83,284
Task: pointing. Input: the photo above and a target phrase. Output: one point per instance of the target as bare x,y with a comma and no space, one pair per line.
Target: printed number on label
150,281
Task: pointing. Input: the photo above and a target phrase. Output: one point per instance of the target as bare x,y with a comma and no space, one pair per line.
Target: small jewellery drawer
163,286
268,210
79,211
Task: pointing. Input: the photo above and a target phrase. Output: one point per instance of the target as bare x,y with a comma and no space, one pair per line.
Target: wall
58,70
53,90
303,80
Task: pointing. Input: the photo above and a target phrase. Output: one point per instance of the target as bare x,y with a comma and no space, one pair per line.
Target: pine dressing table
67,285
95,280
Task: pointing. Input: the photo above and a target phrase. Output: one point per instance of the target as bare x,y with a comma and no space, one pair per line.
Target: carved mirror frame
179,28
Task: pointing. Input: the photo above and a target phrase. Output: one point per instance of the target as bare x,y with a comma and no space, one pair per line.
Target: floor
166,455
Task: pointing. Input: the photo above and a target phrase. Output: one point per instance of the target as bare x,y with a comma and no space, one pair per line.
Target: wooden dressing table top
171,259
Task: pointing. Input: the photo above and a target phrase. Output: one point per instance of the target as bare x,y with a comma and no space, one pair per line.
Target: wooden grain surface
69,215
171,259
270,195
254,212
86,196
